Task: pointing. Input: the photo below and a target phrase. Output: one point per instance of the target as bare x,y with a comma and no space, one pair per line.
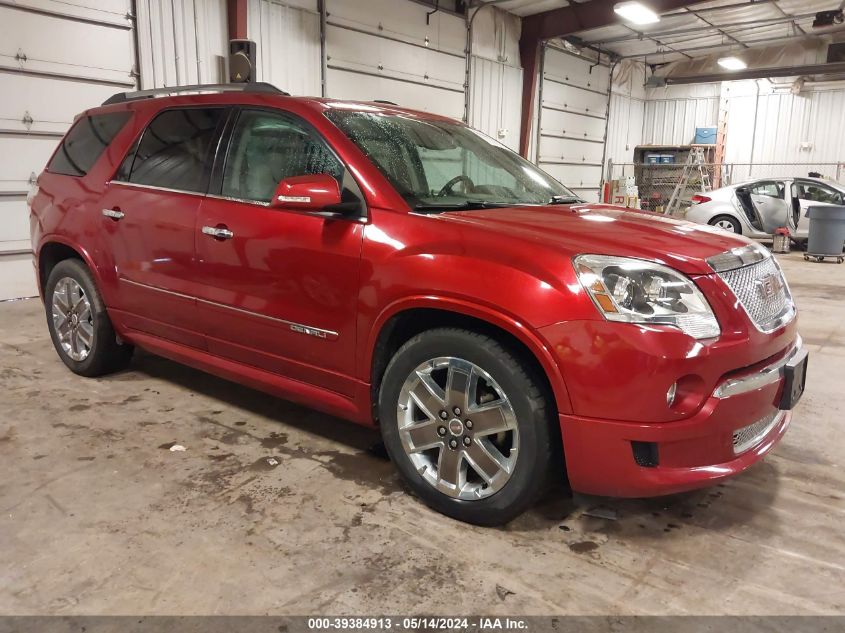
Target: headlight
637,291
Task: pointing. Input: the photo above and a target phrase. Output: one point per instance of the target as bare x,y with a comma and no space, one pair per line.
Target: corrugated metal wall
769,124
496,76
627,111
181,42
672,113
287,37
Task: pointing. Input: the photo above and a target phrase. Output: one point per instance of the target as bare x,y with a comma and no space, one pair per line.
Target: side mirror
313,193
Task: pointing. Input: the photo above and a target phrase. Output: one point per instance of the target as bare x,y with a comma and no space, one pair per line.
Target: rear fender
83,254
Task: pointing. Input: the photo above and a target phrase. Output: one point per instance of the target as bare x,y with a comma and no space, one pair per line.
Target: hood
607,230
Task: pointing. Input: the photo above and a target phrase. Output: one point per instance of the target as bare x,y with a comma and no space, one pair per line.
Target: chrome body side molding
299,328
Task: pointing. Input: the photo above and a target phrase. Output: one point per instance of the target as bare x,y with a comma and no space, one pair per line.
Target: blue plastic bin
705,136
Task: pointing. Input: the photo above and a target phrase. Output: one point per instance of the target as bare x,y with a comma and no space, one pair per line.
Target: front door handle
114,214
218,232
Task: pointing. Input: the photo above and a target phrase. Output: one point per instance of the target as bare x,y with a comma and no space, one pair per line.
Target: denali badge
769,286
310,331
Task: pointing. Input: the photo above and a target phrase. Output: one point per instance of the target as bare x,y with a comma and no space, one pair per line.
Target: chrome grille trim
738,257
749,436
749,284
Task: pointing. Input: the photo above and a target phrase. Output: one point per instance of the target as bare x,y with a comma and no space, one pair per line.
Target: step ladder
695,163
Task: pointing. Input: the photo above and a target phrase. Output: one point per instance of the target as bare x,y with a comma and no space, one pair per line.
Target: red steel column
236,15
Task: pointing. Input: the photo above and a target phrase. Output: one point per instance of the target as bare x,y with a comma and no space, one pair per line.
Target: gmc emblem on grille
768,286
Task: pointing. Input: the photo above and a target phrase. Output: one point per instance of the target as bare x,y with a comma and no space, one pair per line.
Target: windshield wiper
565,200
469,205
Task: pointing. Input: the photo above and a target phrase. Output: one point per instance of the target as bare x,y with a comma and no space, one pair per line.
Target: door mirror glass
317,192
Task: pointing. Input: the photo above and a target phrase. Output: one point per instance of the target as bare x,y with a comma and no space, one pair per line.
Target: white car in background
758,208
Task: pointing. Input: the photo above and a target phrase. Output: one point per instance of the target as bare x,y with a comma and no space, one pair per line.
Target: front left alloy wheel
468,425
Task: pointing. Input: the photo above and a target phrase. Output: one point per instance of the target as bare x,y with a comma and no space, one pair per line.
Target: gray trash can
827,232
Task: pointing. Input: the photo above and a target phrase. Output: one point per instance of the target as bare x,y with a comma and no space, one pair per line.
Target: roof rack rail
259,86
385,101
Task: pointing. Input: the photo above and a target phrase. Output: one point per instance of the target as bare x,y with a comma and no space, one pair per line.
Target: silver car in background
758,208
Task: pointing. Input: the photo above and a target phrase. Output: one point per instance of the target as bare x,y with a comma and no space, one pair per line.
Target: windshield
441,165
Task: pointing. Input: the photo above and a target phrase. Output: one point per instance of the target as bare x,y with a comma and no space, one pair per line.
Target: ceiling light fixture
636,12
732,63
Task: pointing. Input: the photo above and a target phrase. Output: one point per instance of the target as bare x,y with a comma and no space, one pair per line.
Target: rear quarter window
85,143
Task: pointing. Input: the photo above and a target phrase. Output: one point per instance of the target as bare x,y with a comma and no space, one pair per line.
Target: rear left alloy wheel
468,425
79,325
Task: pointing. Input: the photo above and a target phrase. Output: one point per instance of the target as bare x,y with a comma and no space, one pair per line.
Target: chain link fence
656,182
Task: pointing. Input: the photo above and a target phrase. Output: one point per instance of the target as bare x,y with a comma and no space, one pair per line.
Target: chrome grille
762,291
750,435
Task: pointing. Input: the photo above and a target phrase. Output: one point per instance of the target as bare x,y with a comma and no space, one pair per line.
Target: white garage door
57,58
573,120
383,49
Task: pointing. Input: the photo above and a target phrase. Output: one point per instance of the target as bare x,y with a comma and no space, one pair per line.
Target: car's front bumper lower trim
766,376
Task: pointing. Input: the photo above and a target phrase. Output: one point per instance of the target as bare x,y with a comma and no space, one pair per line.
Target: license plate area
794,380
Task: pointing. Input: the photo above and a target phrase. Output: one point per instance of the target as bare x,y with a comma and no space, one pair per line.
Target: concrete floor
96,517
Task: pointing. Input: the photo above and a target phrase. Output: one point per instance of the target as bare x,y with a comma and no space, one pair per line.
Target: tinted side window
267,148
176,149
85,142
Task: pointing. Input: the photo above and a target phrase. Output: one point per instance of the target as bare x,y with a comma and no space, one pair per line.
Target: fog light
670,395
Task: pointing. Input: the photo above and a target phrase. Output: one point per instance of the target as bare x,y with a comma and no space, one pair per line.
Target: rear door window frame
210,160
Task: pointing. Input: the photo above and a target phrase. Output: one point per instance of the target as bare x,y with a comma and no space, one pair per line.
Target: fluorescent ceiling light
636,13
732,63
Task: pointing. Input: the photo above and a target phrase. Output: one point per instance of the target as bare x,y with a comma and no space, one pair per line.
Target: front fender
509,323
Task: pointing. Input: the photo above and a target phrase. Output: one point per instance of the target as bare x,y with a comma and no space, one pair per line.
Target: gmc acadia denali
399,269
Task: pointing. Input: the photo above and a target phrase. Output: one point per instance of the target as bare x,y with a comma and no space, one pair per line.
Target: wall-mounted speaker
241,61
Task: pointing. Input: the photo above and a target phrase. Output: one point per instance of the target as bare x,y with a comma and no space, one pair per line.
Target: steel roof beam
710,24
582,17
699,29
710,47
759,73
657,41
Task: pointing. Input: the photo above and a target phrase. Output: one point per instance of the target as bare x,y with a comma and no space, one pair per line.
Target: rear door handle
114,214
218,232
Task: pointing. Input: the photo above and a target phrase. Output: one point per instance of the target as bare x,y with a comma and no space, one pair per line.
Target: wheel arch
54,249
406,319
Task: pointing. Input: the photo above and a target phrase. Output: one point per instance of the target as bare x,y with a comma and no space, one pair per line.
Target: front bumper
736,426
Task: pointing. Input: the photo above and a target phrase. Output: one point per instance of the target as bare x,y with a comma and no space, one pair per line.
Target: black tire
539,442
737,228
106,355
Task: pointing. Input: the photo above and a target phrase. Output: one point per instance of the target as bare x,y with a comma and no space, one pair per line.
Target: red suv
400,269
